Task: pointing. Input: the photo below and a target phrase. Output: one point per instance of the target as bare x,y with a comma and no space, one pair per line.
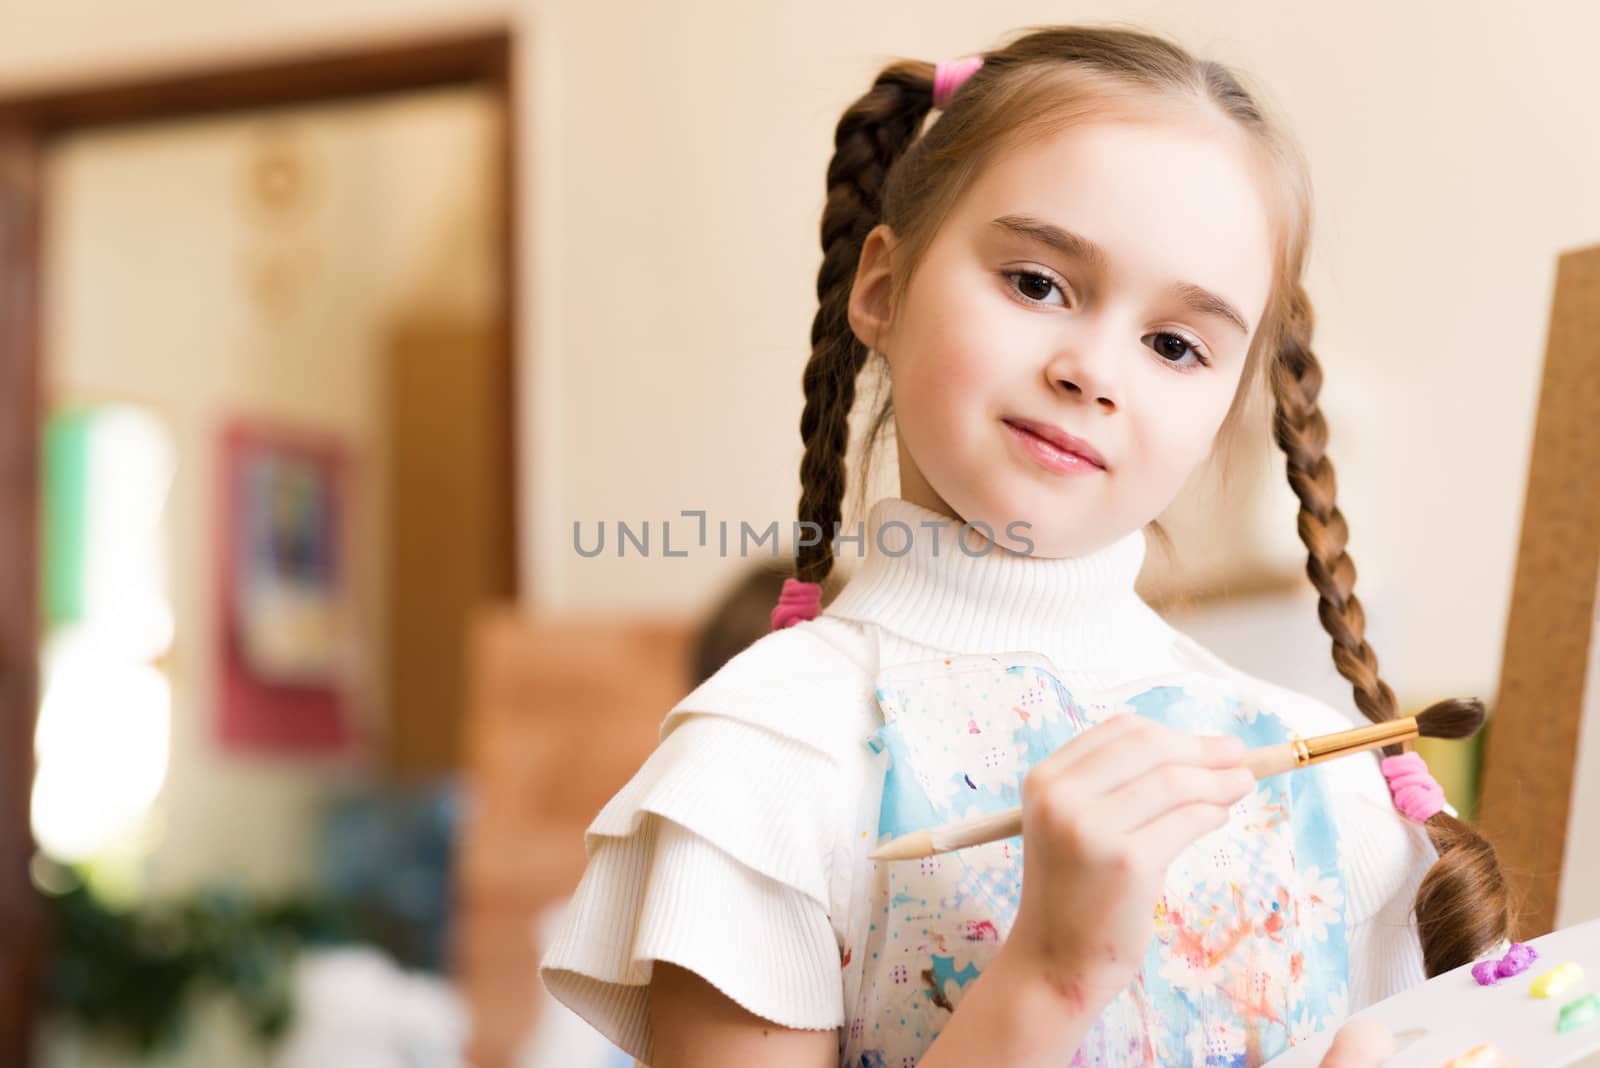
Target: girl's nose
1085,370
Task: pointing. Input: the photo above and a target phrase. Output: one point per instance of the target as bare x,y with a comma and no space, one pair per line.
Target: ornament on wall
280,189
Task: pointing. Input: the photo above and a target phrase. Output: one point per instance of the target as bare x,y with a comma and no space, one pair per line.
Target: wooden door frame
29,125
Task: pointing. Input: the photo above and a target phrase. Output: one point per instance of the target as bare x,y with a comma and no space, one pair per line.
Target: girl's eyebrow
1078,247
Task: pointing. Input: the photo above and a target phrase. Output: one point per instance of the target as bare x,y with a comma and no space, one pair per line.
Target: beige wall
674,156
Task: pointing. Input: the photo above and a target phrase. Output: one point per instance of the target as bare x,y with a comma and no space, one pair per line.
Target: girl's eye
1034,285
1173,348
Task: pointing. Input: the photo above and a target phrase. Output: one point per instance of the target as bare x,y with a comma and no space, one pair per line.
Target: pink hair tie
1416,793
948,74
799,601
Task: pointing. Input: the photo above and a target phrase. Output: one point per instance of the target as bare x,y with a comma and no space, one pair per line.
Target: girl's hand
1102,818
1363,1043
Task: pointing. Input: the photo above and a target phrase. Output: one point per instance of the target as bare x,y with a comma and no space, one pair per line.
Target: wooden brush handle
1264,763
990,827
1270,760
994,826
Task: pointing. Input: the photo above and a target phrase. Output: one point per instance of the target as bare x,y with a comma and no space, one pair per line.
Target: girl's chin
1011,529
1044,532
1024,520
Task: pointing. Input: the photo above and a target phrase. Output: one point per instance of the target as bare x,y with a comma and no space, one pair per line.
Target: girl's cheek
966,336
958,364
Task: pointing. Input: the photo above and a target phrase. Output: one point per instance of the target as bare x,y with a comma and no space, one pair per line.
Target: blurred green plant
130,972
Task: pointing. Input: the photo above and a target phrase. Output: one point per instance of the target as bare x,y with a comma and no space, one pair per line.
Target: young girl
1075,276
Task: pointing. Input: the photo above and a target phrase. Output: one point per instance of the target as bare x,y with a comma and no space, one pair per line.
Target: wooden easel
1530,763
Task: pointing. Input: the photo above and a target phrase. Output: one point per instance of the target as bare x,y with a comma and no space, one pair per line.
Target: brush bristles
1455,718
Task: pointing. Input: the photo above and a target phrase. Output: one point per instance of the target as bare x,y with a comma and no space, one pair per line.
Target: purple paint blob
970,782
1517,960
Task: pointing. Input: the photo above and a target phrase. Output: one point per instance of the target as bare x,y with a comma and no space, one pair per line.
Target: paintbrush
1447,719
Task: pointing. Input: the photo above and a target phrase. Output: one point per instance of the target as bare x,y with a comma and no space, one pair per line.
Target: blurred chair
561,712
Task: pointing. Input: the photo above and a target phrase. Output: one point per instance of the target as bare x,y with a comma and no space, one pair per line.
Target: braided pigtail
875,131
1462,905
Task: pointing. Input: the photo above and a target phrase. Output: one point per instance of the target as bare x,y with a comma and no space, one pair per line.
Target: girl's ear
871,311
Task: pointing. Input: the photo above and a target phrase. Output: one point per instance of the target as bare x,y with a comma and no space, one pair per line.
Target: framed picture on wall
283,590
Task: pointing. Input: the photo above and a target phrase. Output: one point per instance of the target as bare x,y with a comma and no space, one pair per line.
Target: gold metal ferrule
1329,746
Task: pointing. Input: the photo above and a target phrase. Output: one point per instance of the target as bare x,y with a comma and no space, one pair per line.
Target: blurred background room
333,336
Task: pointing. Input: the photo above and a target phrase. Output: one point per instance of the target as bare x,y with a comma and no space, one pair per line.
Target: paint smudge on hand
937,994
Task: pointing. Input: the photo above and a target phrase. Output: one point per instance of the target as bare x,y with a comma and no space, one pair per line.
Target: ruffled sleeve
717,855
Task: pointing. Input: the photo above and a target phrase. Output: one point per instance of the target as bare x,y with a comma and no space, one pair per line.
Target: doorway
414,446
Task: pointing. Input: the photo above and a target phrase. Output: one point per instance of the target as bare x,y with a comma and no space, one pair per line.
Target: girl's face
1104,284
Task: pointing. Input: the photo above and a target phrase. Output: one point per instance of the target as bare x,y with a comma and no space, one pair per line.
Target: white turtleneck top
728,852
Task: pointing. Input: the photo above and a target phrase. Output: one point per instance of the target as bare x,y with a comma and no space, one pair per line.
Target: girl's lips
1055,449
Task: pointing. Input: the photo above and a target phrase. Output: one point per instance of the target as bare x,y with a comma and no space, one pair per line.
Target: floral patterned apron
1250,950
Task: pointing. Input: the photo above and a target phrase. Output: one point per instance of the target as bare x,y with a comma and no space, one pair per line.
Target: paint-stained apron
1250,950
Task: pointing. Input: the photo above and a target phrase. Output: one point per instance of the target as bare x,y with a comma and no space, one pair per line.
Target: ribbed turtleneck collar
1080,611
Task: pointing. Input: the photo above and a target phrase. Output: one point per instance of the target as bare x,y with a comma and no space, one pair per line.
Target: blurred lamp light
104,721
101,746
